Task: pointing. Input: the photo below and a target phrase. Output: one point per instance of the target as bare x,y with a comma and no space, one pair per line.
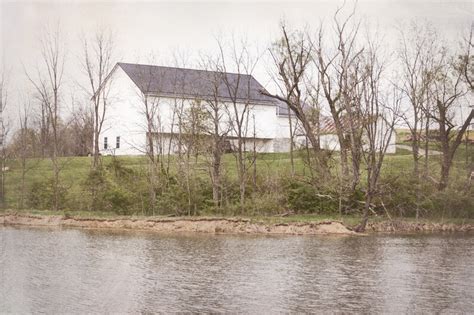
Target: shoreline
209,225
218,225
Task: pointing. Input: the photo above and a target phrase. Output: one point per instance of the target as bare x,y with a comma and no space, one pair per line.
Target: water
84,271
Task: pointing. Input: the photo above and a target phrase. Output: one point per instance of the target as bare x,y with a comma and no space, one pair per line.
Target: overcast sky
142,27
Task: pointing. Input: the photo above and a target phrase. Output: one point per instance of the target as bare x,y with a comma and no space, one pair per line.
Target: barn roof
192,83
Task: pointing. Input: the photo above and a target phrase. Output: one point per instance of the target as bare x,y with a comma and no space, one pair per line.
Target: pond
83,271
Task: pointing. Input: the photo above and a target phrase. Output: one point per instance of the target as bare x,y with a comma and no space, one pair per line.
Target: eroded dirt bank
200,225
229,225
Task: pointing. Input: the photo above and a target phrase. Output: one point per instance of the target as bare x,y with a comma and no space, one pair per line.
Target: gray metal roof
181,82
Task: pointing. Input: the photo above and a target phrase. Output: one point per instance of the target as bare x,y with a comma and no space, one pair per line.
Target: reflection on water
77,271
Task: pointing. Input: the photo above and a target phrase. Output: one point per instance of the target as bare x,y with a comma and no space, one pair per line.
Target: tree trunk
445,168
242,174
344,160
365,215
95,161
216,184
415,153
2,184
23,186
290,122
427,142
55,182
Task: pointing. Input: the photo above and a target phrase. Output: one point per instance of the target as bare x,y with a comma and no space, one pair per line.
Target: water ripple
89,271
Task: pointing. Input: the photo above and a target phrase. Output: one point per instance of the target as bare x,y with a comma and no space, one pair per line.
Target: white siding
122,119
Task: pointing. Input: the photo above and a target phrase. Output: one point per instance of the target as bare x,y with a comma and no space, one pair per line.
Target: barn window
117,143
105,143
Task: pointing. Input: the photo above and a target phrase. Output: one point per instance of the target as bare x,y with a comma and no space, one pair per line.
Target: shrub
118,200
119,170
400,193
304,198
41,195
266,203
110,193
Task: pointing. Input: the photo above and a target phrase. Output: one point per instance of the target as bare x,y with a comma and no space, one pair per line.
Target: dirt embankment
200,225
229,225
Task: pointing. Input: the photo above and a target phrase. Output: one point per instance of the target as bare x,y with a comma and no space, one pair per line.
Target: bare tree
218,128
24,150
48,85
149,108
340,77
291,56
447,89
238,88
418,47
97,63
417,50
380,113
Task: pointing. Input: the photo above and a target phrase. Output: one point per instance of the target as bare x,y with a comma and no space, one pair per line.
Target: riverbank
232,225
199,225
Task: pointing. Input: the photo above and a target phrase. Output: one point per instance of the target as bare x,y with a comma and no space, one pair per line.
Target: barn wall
122,118
167,144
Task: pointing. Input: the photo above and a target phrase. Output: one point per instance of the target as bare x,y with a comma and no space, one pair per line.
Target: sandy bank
230,225
199,225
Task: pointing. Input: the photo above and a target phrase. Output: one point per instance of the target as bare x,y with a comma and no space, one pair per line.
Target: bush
174,198
266,203
118,200
121,172
110,193
401,195
305,198
41,195
453,203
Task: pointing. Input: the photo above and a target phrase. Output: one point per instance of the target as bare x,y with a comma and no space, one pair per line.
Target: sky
159,28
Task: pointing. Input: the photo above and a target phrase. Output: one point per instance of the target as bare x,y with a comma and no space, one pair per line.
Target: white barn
173,90
135,87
